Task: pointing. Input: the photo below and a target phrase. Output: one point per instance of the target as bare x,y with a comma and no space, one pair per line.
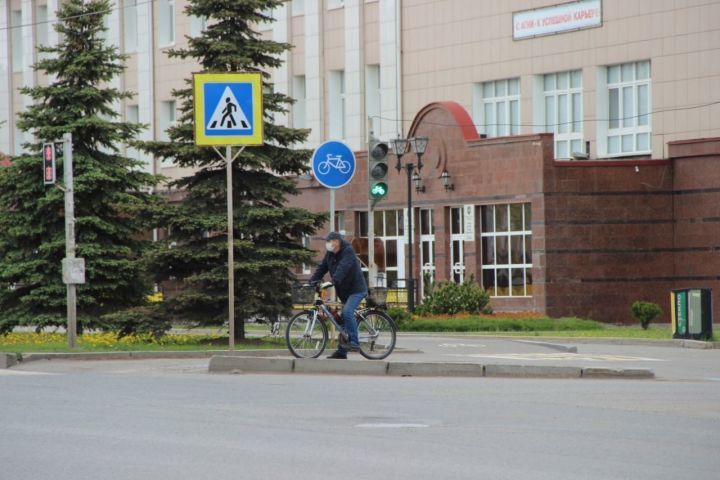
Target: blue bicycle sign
333,164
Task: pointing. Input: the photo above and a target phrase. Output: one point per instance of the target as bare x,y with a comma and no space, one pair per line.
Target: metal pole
411,282
332,209
70,237
231,252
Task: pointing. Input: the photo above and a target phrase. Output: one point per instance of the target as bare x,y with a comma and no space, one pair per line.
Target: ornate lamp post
400,147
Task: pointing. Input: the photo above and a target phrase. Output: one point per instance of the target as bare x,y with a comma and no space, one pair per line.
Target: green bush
400,315
137,321
449,298
645,312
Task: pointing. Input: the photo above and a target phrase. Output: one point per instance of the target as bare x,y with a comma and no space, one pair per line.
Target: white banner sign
469,213
557,19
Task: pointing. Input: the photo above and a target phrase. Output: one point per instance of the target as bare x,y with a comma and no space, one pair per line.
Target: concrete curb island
245,364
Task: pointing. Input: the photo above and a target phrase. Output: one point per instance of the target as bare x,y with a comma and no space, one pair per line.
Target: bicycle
334,161
307,331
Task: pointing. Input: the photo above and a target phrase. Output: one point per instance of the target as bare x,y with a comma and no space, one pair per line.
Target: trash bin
691,313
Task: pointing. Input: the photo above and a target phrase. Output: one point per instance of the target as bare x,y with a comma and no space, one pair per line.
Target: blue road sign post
228,112
333,164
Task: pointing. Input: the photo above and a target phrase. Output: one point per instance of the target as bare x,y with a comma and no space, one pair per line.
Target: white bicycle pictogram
333,161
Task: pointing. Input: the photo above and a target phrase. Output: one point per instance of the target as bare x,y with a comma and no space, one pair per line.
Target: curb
676,342
242,365
8,360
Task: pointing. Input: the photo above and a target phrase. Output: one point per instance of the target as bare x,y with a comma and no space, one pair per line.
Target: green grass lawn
535,326
27,342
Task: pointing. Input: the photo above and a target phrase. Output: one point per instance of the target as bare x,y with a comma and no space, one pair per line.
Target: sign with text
561,18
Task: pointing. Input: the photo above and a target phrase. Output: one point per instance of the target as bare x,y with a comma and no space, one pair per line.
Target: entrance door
457,247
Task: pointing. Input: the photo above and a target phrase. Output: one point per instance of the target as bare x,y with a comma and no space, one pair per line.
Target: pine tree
109,198
267,231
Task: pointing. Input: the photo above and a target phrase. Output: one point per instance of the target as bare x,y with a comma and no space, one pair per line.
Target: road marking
557,357
461,345
8,373
392,425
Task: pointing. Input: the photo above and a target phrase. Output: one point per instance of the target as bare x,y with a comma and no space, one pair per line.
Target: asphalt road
168,419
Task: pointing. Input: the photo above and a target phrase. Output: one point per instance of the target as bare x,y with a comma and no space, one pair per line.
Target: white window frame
17,54
130,26
306,267
336,104
526,234
624,130
166,27
399,238
457,243
496,107
562,91
299,108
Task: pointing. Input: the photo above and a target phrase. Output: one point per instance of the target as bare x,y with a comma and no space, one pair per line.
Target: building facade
578,137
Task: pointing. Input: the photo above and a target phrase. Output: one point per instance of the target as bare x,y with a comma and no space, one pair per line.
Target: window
336,100
299,91
457,250
166,19
42,26
506,250
197,25
331,4
19,140
132,115
562,93
340,222
306,268
427,248
298,7
628,90
130,20
372,96
496,107
389,228
166,120
17,40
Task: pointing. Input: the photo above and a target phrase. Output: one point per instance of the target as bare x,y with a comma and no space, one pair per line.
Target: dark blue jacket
344,268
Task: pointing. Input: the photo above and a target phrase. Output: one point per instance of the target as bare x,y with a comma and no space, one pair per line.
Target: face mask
329,246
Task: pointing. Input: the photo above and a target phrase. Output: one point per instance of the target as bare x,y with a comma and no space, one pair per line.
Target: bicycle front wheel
306,335
377,334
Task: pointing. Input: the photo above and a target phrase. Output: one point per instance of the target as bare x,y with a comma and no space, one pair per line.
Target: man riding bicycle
350,286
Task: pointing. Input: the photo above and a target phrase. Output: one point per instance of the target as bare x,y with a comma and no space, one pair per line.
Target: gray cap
333,236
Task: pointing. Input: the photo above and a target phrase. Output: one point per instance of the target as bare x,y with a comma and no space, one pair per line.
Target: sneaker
338,356
350,347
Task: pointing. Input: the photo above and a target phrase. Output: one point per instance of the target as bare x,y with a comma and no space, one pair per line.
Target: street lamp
400,147
445,177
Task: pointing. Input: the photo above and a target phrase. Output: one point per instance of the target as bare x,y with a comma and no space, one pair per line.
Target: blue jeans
348,316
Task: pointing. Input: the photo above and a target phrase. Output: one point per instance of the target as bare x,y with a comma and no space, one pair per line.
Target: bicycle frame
320,307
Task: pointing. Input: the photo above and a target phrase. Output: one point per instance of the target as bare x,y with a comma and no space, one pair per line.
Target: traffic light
49,163
378,165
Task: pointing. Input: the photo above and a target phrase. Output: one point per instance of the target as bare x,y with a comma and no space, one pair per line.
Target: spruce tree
109,198
267,230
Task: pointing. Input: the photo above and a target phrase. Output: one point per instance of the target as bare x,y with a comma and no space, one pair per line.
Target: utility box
691,313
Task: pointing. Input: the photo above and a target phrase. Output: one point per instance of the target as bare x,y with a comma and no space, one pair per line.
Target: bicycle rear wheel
377,334
306,336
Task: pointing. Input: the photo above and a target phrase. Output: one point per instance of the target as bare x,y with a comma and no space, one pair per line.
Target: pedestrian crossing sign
228,109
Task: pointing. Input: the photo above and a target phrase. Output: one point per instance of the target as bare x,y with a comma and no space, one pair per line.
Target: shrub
147,320
645,312
400,315
451,298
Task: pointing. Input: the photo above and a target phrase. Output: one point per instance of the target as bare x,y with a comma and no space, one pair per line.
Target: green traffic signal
379,190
